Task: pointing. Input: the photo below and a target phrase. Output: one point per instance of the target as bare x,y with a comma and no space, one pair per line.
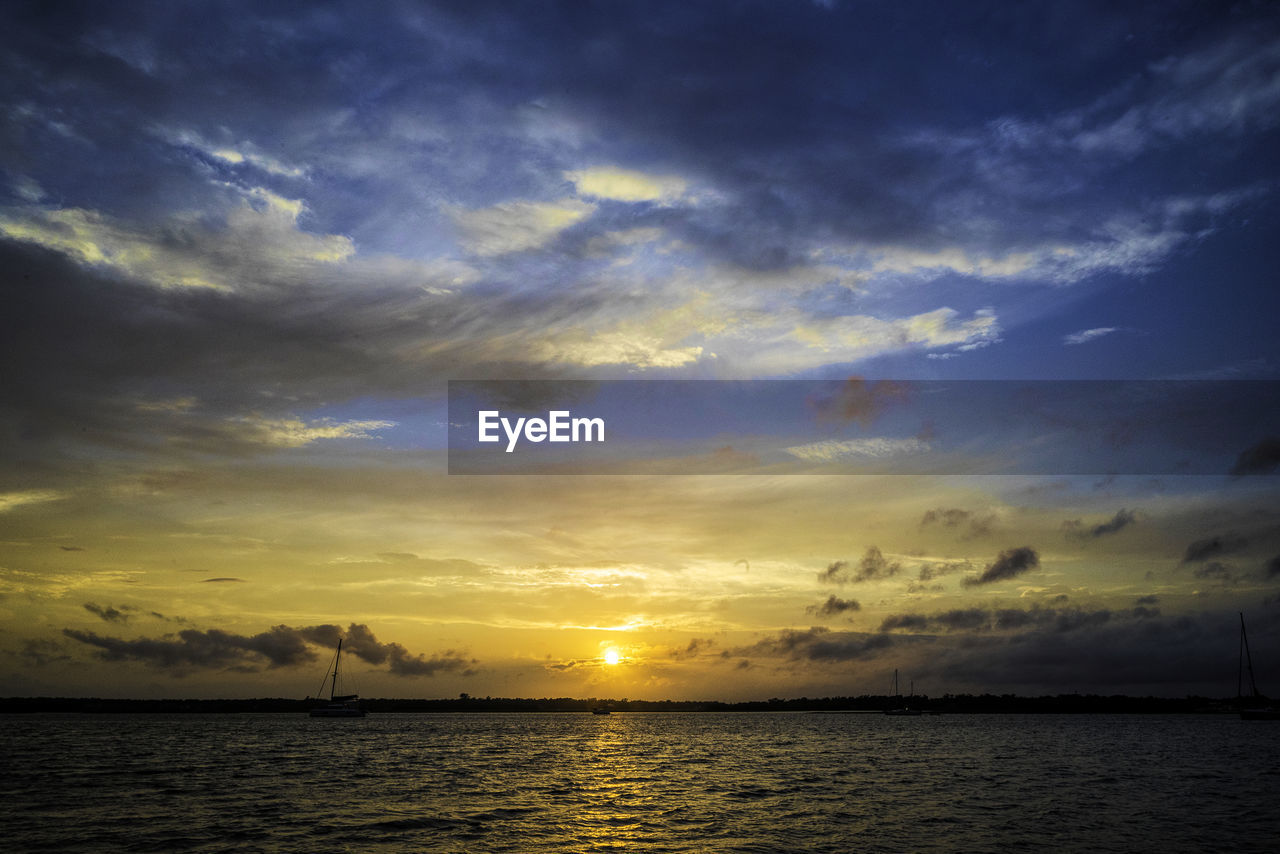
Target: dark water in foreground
766,782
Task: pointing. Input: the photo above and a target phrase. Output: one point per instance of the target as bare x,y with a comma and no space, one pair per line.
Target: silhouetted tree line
949,704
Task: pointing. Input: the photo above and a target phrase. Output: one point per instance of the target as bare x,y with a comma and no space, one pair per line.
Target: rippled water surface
638,782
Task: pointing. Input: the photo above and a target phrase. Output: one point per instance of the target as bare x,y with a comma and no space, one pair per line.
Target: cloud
970,620
361,642
13,500
833,606
851,337
875,565
625,185
242,154
1085,335
1008,564
1223,544
1216,571
955,517
281,646
222,579
815,644
110,614
259,242
1121,520
695,647
872,567
42,652
930,571
626,347
911,622
1262,458
1227,87
834,573
932,263
517,226
194,649
876,448
295,432
1135,652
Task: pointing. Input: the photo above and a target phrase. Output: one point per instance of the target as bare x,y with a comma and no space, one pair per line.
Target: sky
244,247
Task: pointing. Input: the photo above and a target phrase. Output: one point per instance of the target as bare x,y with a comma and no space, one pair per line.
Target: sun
612,656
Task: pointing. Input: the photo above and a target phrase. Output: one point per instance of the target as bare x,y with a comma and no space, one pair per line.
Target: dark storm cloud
911,622
1262,458
361,642
126,350
827,128
1010,619
1272,568
815,644
108,613
1126,653
1008,564
1120,521
833,606
326,635
281,646
962,619
848,647
1223,544
827,103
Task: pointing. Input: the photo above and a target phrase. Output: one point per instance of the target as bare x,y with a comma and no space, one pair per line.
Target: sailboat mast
1244,643
333,689
895,683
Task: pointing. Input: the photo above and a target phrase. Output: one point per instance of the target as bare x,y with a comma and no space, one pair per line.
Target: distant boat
904,711
600,711
1255,707
339,706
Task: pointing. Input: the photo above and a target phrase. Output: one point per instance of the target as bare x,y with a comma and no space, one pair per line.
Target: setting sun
612,656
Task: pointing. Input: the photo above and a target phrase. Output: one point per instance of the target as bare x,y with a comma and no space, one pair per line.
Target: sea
764,782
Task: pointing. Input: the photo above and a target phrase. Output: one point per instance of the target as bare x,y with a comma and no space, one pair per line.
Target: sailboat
1255,710
906,710
339,706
